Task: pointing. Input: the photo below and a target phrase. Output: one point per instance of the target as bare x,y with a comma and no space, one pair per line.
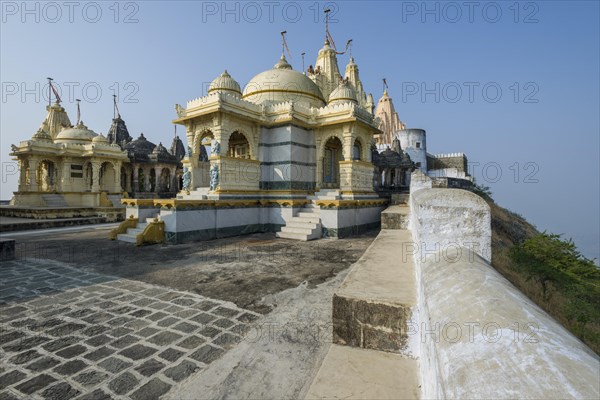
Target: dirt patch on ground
242,269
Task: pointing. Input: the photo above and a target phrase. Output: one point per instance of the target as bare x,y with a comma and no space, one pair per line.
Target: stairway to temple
200,193
131,235
54,200
306,225
326,194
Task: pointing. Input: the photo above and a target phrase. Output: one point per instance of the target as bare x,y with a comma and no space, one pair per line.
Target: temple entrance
108,177
331,163
164,184
47,176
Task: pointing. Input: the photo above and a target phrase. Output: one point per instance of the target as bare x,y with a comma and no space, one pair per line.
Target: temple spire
78,112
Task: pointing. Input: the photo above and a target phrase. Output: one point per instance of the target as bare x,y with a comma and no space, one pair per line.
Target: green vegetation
556,266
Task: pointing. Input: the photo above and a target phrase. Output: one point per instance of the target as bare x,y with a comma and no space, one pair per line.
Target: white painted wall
480,336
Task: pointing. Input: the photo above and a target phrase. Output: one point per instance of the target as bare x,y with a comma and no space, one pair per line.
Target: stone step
299,223
135,231
293,229
396,217
379,284
54,200
309,217
295,236
126,237
314,198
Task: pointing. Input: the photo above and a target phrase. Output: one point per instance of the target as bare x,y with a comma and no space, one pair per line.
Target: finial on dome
282,63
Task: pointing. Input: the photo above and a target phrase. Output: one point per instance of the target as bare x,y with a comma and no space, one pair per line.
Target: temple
65,165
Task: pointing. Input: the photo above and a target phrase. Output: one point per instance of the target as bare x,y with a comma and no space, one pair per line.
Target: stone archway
108,176
202,143
239,146
47,176
332,155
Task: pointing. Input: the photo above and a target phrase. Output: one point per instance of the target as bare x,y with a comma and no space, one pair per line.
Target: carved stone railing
153,233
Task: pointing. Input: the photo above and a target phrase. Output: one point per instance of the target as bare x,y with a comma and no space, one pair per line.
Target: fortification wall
479,336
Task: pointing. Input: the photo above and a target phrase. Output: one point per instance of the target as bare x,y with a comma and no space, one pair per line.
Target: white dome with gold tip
77,134
282,84
224,83
343,93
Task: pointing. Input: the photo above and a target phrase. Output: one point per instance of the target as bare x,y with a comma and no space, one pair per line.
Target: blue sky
513,85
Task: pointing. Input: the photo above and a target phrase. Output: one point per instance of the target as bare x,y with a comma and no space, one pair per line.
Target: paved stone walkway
65,333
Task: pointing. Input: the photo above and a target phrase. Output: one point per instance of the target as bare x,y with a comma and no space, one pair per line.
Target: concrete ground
246,317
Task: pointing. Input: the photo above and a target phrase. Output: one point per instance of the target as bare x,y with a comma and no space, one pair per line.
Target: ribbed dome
343,93
77,134
225,83
140,146
281,84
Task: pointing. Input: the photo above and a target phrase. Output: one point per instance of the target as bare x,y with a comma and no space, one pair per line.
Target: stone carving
187,179
180,110
189,152
214,176
215,148
203,154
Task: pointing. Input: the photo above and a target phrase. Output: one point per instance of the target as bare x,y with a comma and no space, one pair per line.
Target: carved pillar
117,186
157,173
33,178
348,144
135,184
223,138
147,179
95,176
23,166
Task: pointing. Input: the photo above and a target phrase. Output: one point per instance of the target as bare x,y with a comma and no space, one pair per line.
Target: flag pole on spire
78,112
328,35
49,91
116,112
284,46
385,85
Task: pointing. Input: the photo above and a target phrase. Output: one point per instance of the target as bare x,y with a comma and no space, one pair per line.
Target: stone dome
224,83
281,84
140,146
101,139
77,134
343,93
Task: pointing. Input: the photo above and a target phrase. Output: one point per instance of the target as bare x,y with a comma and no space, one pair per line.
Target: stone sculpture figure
203,154
214,176
215,148
187,179
189,152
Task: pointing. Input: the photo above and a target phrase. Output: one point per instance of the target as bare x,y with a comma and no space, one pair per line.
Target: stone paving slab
65,333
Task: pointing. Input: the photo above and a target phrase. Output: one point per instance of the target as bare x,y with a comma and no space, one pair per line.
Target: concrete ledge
395,217
351,373
372,307
24,224
111,214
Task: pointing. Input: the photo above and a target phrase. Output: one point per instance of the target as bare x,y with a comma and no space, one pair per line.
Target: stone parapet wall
479,336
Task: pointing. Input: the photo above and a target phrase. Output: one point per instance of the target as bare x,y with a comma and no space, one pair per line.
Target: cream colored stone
353,373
